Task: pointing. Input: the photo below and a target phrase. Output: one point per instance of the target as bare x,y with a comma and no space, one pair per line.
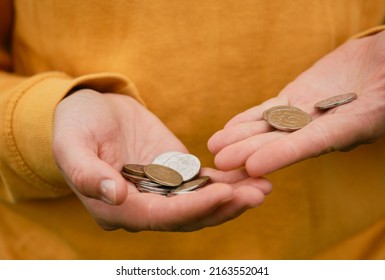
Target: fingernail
108,188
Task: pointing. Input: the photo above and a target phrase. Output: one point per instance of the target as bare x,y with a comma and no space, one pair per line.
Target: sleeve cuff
369,32
30,171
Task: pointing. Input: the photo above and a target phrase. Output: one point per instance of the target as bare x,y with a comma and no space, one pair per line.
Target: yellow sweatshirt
195,64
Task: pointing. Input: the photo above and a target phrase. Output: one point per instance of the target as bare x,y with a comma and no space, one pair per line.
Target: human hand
357,66
96,134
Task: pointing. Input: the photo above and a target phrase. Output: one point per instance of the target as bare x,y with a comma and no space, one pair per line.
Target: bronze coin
191,185
288,119
335,101
135,178
163,175
268,111
135,169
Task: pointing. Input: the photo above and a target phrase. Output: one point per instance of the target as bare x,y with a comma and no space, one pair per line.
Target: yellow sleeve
27,105
369,32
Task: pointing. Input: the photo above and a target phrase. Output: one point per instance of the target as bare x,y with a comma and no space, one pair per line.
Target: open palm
357,66
96,134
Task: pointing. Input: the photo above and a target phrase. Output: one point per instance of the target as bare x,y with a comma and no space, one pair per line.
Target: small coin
180,193
191,185
150,184
160,179
268,111
162,158
135,169
163,175
288,118
152,190
186,165
335,101
135,178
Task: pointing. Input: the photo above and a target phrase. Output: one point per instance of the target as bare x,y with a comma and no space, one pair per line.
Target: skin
96,134
356,66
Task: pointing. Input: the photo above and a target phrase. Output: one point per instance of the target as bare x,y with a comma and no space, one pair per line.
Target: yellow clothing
195,64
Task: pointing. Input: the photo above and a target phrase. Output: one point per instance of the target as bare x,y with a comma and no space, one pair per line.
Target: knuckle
77,178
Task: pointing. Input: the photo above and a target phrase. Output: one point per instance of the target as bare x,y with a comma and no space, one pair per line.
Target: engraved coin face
335,101
288,119
163,175
162,158
185,164
268,111
191,185
135,169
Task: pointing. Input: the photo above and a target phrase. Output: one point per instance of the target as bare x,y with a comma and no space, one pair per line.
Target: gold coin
268,111
288,118
163,175
335,101
135,169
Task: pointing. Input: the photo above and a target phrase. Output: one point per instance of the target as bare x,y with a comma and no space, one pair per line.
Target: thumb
92,177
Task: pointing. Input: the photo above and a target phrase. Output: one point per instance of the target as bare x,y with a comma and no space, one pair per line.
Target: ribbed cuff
31,171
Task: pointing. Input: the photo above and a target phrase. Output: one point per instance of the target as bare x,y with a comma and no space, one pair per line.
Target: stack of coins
290,118
170,173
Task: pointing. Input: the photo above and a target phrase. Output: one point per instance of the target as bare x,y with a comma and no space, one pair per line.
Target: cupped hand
357,66
96,134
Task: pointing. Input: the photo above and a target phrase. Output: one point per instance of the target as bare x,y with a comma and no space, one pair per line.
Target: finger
92,177
316,138
229,177
237,177
246,196
235,133
155,212
256,113
252,114
260,183
183,212
236,155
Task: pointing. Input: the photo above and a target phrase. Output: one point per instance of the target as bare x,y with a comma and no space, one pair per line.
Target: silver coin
191,185
162,158
335,101
153,189
186,165
149,184
180,193
168,171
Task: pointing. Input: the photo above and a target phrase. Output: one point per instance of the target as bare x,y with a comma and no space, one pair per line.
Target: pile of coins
170,173
290,118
